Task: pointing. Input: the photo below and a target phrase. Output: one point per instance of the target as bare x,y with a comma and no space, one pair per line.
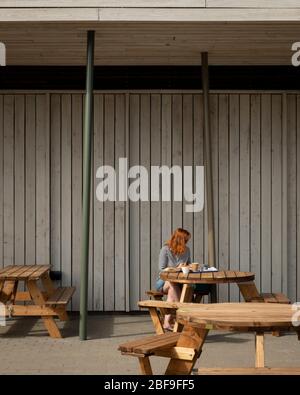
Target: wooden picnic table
255,317
212,278
47,302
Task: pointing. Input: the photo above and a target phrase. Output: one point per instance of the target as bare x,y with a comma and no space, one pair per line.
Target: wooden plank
198,161
77,123
166,160
259,350
298,197
136,44
187,160
245,183
109,252
249,292
102,3
284,204
42,180
91,244
182,353
35,311
30,185
223,190
48,284
48,14
66,188
61,296
234,191
174,15
1,182
8,130
255,181
41,270
120,248
252,3
214,121
266,192
134,209
19,201
177,153
157,150
8,270
19,271
156,320
145,366
169,339
276,193
145,214
98,207
56,156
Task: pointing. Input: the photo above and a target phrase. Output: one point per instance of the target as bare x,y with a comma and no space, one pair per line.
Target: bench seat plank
148,345
61,296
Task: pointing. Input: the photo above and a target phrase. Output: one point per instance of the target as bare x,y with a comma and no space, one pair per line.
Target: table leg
145,366
40,300
190,338
48,284
156,320
186,296
249,291
259,350
213,293
9,290
50,289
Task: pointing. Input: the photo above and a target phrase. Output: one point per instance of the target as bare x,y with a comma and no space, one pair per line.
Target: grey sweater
168,259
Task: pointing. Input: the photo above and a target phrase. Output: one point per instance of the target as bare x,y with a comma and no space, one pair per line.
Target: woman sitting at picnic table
175,253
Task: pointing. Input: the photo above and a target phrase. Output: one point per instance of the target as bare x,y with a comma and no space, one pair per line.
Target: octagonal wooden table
212,278
254,317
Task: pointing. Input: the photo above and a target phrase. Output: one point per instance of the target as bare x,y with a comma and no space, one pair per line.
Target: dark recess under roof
150,77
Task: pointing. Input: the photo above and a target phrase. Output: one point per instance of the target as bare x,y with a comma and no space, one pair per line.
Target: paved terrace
26,348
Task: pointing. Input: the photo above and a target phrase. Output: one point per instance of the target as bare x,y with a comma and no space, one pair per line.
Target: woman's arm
163,259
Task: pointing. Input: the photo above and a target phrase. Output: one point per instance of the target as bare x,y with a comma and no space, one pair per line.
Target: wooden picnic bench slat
8,270
39,272
147,345
275,298
61,296
19,272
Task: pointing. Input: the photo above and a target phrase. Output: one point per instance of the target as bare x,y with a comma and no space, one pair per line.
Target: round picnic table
212,278
259,318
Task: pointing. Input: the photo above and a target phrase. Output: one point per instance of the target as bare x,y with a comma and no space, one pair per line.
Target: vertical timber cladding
256,192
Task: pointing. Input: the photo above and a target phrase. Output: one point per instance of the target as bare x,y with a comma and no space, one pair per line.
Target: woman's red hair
178,240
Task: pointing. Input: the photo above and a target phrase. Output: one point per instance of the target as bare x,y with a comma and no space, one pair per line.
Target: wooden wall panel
41,187
8,179
98,281
1,183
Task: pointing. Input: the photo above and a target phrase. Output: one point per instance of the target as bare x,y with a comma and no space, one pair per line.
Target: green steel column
87,148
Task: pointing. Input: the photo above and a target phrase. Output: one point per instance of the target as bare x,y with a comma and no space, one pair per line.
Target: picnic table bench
47,303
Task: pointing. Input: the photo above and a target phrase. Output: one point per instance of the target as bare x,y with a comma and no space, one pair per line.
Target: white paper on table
209,269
